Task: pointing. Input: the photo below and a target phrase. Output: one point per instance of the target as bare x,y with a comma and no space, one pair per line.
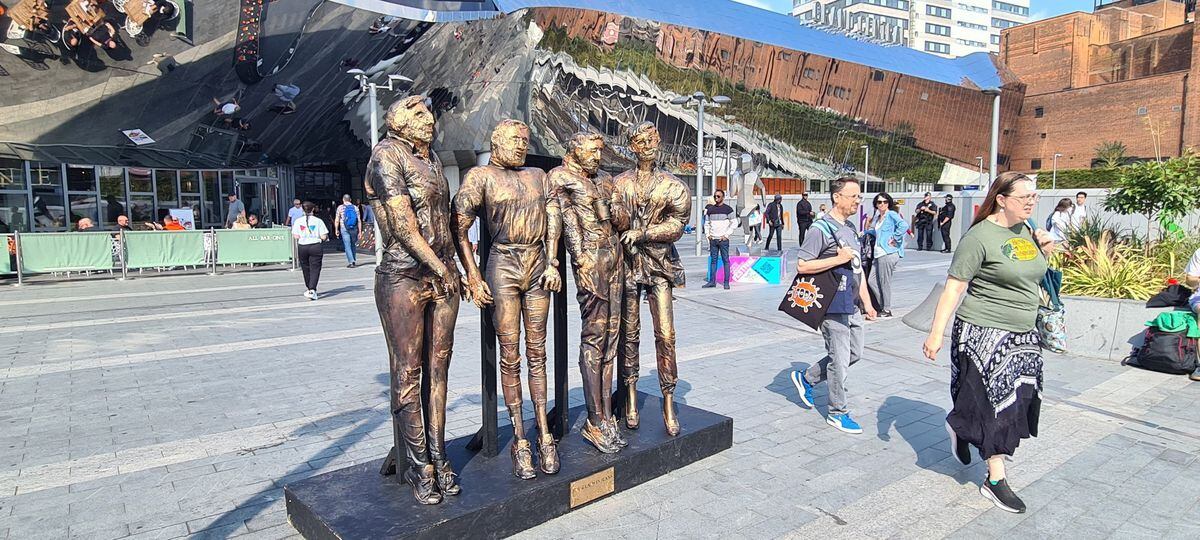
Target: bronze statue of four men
618,231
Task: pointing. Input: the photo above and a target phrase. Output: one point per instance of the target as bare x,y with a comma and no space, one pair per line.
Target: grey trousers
880,282
844,342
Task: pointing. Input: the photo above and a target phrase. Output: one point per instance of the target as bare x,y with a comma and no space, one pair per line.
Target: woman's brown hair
1002,186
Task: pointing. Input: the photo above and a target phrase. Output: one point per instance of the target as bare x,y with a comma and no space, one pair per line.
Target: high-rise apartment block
943,27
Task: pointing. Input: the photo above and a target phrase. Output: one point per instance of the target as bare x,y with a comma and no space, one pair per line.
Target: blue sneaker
803,387
843,422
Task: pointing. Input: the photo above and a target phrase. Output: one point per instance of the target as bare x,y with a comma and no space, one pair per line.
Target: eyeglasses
857,197
1026,199
880,201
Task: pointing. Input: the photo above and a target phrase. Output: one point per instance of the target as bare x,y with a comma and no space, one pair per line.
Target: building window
14,211
112,195
1010,8
895,4
785,57
935,47
167,187
970,43
810,73
1043,135
49,205
1003,23
924,96
936,11
937,29
995,39
877,75
971,8
724,55
970,25
1143,111
1039,112
840,92
1035,164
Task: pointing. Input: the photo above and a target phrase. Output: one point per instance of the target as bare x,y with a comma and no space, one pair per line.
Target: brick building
1122,73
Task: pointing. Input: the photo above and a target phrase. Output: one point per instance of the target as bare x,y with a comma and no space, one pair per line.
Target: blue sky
1040,9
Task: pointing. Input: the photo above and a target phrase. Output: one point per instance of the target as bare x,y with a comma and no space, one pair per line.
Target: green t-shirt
1004,268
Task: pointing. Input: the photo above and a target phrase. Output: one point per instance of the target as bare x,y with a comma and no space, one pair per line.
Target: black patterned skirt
996,386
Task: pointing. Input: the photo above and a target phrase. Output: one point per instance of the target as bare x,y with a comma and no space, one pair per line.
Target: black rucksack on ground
1166,352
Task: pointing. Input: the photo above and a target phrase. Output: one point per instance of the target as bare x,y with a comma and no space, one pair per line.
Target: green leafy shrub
1109,269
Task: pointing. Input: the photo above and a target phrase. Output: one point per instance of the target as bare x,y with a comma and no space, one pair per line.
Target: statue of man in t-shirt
523,220
416,292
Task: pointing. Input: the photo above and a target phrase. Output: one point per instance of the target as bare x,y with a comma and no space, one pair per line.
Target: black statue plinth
358,502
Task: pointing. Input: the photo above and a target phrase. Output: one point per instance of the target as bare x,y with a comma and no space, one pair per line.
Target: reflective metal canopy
729,18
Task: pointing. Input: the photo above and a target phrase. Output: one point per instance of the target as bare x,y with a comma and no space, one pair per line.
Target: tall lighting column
371,90
700,100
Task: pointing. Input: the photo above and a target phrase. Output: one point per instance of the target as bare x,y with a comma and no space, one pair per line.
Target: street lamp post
866,165
995,93
980,179
700,100
1054,176
371,89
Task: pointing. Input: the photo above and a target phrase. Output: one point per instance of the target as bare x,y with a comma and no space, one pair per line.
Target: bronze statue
523,220
416,292
585,194
651,207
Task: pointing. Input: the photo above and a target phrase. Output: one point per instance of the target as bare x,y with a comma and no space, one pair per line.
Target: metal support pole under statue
699,204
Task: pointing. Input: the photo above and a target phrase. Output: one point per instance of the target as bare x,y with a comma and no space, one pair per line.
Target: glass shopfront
49,197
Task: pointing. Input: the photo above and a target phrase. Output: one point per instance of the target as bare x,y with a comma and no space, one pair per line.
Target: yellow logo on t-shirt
1019,249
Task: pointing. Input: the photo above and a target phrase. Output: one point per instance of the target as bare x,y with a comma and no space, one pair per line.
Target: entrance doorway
261,197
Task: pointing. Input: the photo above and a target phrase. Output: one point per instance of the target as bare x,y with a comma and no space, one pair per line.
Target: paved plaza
169,406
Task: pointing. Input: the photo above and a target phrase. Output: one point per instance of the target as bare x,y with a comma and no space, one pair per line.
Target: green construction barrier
155,249
254,246
5,256
66,252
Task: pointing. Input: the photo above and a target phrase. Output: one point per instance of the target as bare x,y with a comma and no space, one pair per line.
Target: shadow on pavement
341,290
365,420
782,384
931,445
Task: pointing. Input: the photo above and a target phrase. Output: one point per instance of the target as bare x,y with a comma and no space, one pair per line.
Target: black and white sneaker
960,448
1002,496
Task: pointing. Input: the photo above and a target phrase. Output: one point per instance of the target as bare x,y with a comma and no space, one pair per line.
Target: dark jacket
804,213
774,214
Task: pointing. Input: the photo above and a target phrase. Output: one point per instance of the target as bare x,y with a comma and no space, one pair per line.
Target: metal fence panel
66,252
155,249
272,245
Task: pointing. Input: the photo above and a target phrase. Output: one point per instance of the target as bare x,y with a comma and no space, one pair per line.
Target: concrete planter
1106,328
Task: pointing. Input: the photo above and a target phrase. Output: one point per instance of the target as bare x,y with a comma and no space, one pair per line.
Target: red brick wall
1076,121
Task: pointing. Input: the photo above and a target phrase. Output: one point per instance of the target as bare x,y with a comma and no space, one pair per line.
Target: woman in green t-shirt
995,353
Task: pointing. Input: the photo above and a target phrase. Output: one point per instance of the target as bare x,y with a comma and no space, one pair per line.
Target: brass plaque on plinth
588,489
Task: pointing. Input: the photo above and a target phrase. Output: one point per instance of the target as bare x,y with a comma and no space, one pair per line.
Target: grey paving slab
189,421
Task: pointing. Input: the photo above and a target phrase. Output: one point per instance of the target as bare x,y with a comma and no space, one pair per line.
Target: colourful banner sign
272,245
66,252
747,269
156,249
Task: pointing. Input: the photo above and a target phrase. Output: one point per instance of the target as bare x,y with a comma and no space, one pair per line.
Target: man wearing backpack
833,244
346,226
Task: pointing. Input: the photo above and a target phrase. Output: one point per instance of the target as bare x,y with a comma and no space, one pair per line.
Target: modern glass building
50,188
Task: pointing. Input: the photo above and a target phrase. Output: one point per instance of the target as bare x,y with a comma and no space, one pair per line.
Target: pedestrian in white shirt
1079,212
309,232
1060,220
